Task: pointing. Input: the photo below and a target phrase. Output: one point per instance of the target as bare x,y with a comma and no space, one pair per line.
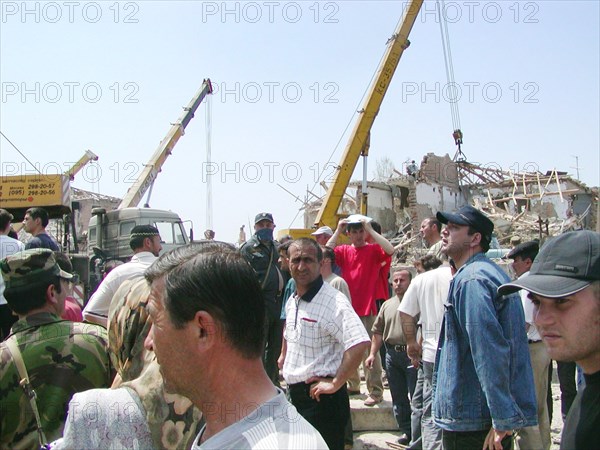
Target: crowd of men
211,346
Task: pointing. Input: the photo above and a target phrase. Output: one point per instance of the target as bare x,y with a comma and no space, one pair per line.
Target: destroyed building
523,205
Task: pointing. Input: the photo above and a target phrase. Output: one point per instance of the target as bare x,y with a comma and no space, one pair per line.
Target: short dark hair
32,296
5,219
140,233
485,243
376,226
434,221
39,213
528,254
214,277
430,262
328,253
284,247
307,242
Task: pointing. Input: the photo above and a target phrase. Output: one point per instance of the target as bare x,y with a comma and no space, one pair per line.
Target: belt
398,348
530,341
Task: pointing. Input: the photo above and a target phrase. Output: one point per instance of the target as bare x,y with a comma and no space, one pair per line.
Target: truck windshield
171,232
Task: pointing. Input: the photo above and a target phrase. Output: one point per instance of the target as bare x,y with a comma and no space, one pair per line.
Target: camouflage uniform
173,420
61,358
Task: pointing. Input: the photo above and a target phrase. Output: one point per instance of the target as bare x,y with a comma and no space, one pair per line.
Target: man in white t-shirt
145,243
425,296
8,246
537,436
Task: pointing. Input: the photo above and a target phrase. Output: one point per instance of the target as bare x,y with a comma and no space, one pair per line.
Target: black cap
143,231
525,247
467,215
566,264
263,216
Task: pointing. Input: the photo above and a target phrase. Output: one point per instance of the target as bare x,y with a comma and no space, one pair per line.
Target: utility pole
576,165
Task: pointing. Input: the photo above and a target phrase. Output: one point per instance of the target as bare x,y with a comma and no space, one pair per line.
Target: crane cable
451,83
208,125
20,152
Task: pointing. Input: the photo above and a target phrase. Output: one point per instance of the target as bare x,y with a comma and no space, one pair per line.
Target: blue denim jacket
483,371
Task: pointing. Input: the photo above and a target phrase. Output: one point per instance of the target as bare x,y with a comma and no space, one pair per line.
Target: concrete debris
523,205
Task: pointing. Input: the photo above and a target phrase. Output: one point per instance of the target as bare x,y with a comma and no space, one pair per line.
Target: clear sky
112,77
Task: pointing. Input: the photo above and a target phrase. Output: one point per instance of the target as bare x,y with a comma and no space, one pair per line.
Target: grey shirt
275,424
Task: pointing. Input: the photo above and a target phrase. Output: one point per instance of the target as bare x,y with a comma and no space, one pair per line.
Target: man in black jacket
261,252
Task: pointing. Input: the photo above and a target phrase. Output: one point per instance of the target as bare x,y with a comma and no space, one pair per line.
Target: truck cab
110,231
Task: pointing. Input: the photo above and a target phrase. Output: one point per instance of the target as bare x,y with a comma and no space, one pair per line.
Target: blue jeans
402,378
431,433
416,406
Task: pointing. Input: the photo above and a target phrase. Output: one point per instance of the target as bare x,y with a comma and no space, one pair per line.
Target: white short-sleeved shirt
532,332
275,425
99,303
426,295
318,332
8,246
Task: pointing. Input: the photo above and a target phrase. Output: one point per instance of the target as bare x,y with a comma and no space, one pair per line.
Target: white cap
358,218
323,230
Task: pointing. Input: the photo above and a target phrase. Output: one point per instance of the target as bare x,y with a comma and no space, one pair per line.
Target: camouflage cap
23,268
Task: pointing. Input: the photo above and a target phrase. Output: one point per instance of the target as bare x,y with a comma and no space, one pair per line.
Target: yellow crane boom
151,170
86,158
358,142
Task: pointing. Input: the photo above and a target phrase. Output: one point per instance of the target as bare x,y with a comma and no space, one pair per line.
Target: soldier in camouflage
61,357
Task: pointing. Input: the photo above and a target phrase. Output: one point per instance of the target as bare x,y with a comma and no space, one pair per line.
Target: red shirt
383,285
72,310
360,268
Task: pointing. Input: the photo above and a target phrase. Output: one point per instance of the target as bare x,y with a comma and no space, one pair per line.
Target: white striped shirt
275,425
318,332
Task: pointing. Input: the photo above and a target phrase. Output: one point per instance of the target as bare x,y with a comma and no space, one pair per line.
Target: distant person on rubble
412,169
35,223
564,286
209,235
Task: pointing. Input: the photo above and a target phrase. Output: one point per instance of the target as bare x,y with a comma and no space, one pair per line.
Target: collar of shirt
143,257
476,257
34,320
313,289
